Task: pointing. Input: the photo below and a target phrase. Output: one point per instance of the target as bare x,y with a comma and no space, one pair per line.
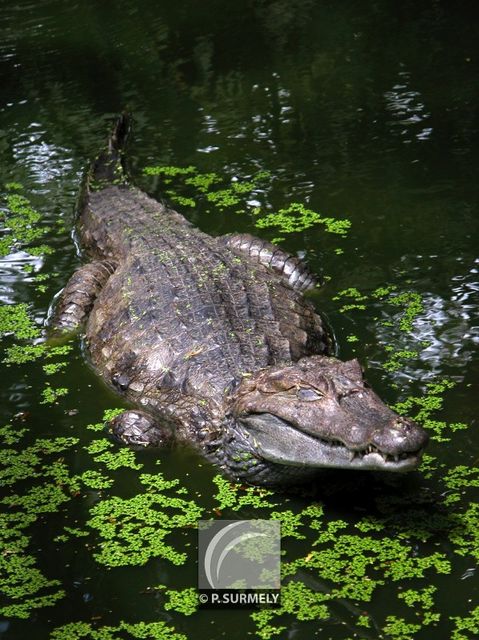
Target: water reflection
308,91
446,333
408,110
13,269
45,161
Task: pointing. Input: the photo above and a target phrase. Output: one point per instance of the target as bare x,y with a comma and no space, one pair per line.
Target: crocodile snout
402,435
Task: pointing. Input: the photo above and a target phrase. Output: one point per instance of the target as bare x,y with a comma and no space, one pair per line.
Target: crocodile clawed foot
138,429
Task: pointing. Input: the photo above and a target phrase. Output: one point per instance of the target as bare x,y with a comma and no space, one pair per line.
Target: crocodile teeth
387,457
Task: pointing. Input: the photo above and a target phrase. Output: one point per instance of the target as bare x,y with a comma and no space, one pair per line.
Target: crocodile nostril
404,424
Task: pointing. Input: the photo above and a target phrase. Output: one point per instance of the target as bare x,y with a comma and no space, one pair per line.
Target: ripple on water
408,111
13,273
45,161
446,333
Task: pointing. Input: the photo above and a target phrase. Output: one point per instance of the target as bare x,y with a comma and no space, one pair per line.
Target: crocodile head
320,412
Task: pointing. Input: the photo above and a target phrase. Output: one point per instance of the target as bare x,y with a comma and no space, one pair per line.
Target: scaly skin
208,337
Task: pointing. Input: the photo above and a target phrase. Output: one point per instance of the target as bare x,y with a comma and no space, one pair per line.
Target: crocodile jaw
278,441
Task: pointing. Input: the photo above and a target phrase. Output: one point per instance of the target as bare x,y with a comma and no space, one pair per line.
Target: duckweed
10,435
296,217
168,171
20,354
95,480
51,395
55,367
108,415
396,360
21,222
412,305
22,582
15,320
140,630
466,628
399,629
238,195
348,560
426,405
133,530
113,460
204,181
235,496
183,601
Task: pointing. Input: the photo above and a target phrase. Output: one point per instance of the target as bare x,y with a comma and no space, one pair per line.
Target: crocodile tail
109,167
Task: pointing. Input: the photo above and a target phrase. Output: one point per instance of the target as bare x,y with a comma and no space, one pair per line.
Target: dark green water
365,111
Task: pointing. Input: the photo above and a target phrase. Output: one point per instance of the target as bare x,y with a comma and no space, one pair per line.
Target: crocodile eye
277,381
309,395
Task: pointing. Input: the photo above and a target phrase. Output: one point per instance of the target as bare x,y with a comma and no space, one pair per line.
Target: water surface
360,111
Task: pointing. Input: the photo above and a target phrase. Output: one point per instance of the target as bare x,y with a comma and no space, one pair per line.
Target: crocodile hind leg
77,298
293,270
139,429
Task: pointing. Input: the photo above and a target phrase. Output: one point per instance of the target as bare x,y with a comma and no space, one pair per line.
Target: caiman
213,343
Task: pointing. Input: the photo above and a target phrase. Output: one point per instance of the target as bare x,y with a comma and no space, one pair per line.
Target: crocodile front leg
77,298
138,429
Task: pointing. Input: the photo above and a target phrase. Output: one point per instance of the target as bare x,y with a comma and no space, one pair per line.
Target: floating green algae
23,583
235,496
466,628
422,602
357,299
204,181
192,186
168,171
10,435
186,186
95,479
422,408
15,320
21,223
50,395
140,630
412,305
396,360
351,564
393,550
183,601
104,451
55,367
127,531
29,461
409,302
353,567
108,415
399,629
296,217
133,530
21,354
